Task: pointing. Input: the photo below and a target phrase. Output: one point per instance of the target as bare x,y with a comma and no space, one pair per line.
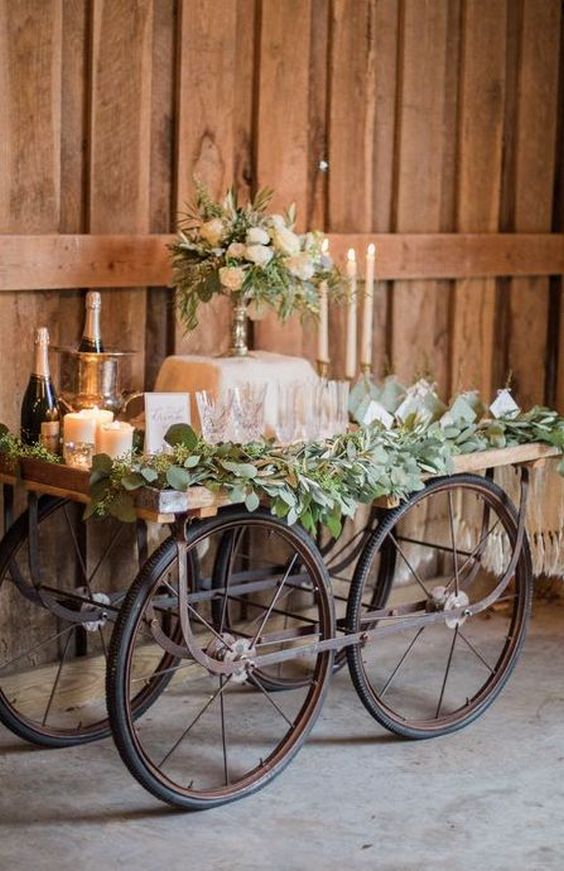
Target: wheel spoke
223,734
476,652
56,681
193,722
477,551
401,662
258,684
408,564
36,647
274,599
447,670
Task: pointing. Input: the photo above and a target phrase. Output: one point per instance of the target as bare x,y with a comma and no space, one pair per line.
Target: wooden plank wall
375,116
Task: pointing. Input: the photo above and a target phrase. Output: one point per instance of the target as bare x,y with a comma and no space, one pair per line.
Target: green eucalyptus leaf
241,470
150,475
101,465
133,481
191,462
252,502
181,434
123,508
178,478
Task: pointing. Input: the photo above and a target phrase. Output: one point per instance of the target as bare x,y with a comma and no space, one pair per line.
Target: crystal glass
249,411
78,454
216,415
297,412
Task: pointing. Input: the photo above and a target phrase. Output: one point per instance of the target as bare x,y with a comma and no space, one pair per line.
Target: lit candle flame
351,255
371,250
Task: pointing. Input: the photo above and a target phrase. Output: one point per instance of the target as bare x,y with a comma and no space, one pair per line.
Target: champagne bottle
40,418
91,341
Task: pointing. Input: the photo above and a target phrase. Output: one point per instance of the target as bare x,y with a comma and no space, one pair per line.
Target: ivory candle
368,309
79,428
323,335
114,439
100,415
350,365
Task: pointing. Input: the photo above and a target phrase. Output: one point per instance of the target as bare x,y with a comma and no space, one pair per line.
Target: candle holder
78,454
323,368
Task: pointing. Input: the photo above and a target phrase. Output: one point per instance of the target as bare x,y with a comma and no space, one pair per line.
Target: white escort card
504,405
162,410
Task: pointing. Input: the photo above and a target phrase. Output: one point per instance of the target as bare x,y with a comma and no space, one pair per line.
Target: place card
162,410
504,405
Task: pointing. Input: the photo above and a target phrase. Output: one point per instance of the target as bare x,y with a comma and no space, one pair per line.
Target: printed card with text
162,410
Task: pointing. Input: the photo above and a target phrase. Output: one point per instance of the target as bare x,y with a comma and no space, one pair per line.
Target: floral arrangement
244,252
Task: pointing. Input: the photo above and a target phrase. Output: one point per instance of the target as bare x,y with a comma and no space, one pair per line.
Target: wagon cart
224,645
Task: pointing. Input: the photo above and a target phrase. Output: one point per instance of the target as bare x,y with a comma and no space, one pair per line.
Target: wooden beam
59,262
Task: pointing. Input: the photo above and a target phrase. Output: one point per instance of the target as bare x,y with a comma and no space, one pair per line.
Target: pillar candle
114,439
367,314
350,365
79,427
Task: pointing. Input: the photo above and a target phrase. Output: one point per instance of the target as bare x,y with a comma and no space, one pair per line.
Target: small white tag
376,411
162,410
504,405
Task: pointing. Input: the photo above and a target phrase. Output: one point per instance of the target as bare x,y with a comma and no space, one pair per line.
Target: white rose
277,221
285,240
231,277
212,231
301,266
236,250
258,254
257,236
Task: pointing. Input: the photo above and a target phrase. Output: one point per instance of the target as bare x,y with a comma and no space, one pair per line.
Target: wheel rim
431,679
208,738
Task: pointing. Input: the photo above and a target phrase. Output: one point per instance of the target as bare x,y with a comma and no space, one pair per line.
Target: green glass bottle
40,416
91,341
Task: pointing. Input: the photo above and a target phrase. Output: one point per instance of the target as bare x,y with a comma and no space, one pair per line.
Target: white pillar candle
350,365
323,336
114,439
79,428
100,415
368,309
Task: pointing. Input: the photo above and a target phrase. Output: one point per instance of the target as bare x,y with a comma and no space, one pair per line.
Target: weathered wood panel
120,152
65,261
30,173
482,90
282,137
532,188
420,310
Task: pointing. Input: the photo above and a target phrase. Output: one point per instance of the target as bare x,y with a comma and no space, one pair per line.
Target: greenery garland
314,482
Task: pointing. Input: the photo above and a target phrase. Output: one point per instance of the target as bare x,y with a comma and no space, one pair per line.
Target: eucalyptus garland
314,483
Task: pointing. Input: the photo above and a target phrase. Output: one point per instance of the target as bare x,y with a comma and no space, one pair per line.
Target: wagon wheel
238,554
453,543
210,738
53,655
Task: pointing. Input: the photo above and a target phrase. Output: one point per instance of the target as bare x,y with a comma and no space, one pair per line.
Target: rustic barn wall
407,116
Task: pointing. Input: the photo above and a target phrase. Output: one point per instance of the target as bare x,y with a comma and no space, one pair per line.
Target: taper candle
323,334
350,365
368,309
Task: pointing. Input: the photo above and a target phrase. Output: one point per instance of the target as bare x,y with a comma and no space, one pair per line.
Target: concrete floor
490,797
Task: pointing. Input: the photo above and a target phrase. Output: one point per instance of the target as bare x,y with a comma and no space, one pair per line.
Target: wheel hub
442,600
227,648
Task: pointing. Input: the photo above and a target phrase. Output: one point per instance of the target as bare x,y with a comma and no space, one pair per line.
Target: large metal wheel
56,619
210,738
452,545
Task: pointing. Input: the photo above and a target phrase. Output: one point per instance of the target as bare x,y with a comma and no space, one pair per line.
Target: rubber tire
354,654
117,661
